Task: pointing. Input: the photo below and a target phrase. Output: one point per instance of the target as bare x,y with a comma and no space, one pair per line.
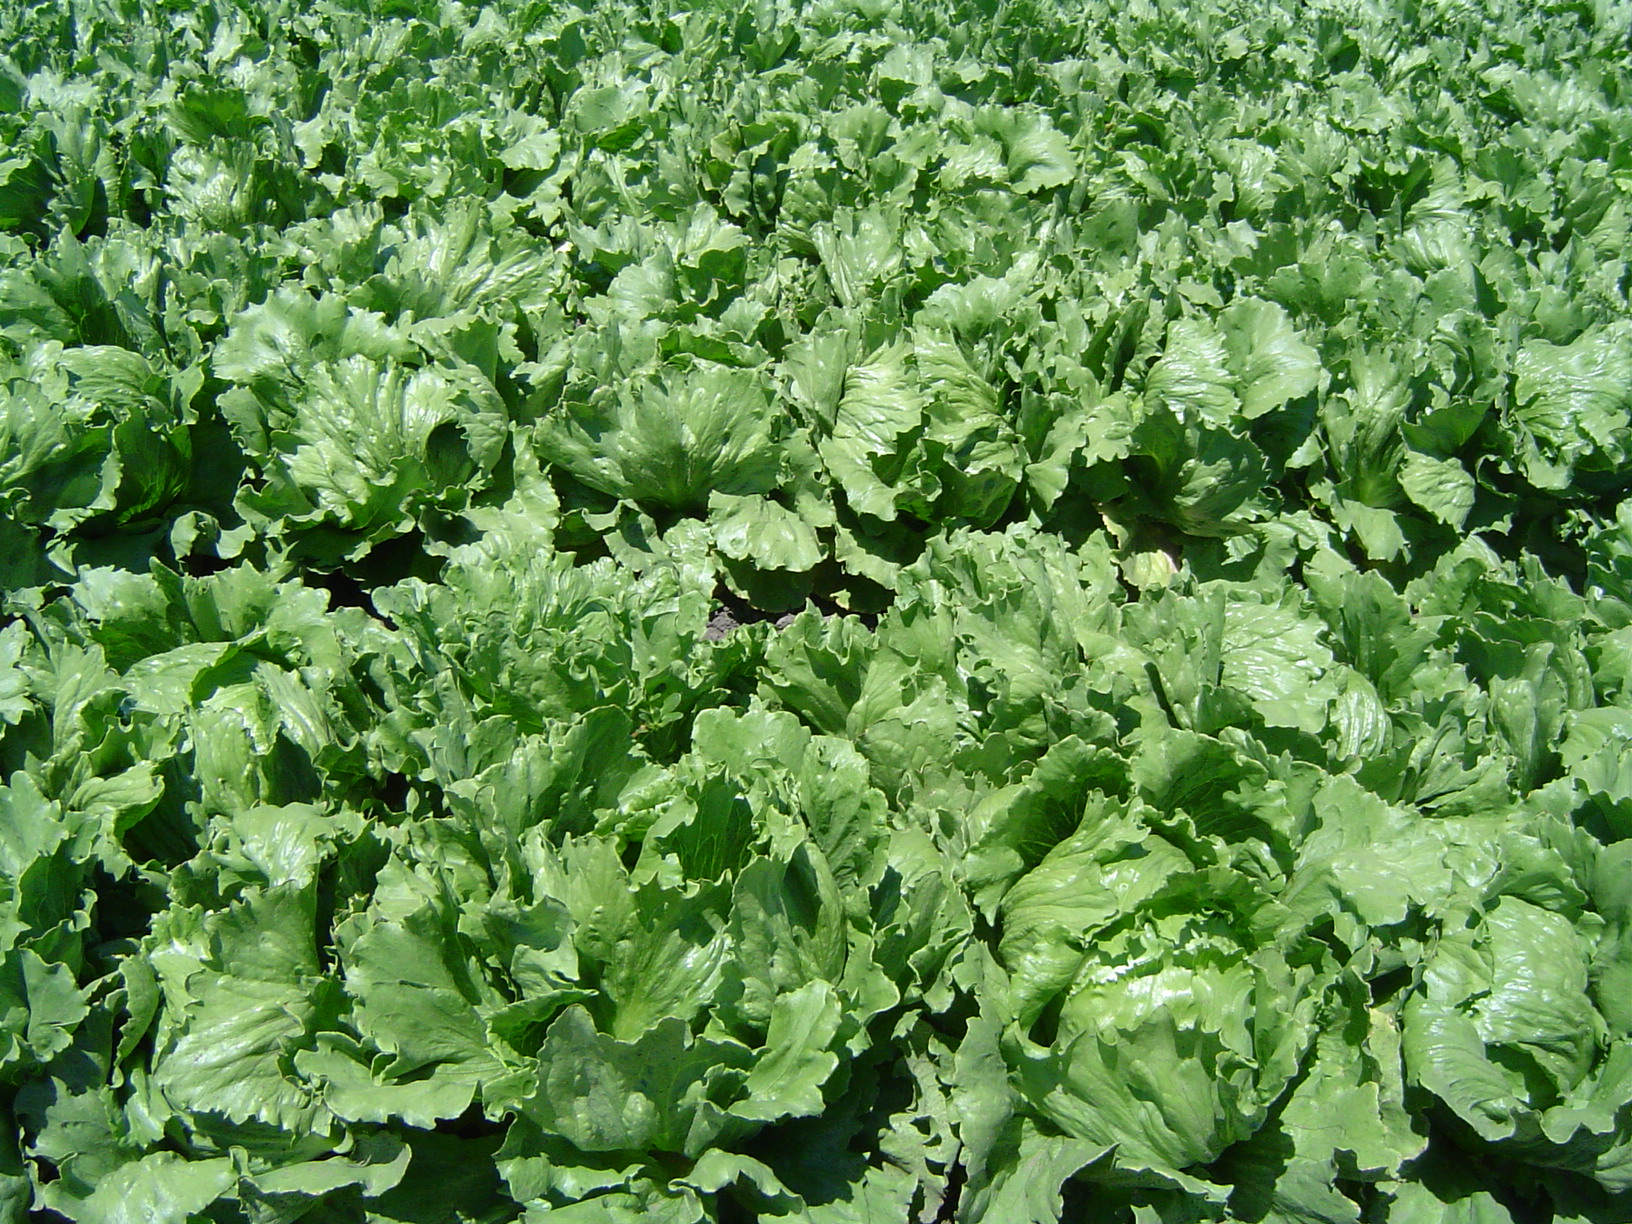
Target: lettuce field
853,612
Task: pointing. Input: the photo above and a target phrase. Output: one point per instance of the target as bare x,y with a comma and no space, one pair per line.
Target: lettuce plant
878,610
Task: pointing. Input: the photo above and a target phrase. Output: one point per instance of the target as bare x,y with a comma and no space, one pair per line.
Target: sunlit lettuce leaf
362,447
1505,1033
1175,1036
1571,411
669,441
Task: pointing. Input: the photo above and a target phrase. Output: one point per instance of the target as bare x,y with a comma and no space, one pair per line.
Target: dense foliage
864,611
